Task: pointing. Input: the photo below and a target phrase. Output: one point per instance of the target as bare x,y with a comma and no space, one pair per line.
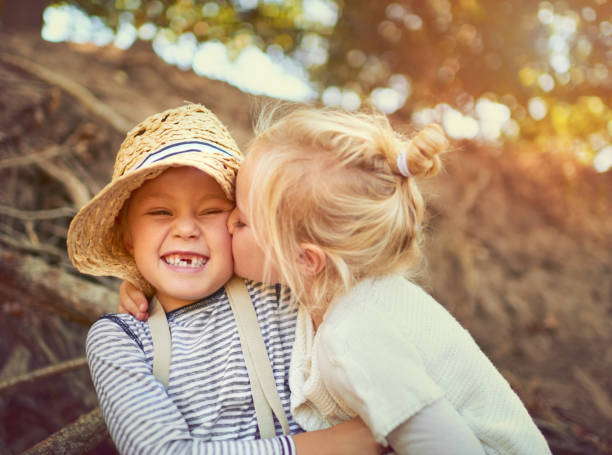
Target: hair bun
421,152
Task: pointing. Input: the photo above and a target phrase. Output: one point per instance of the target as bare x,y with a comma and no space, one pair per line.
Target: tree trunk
29,281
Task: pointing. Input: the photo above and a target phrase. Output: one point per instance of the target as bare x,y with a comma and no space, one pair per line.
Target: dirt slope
519,245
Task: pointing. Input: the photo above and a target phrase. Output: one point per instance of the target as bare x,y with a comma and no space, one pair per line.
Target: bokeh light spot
589,14
324,12
350,100
413,22
603,160
332,96
546,82
537,108
459,126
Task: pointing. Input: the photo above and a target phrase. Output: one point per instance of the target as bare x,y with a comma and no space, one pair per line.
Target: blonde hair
331,178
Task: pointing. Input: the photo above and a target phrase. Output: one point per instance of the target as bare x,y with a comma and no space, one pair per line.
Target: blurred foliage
549,62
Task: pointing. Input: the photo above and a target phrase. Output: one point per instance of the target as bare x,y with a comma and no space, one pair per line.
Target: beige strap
263,386
265,421
162,343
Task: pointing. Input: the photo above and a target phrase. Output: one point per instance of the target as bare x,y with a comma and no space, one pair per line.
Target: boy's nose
186,227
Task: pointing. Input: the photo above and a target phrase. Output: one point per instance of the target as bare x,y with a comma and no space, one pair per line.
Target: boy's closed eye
212,211
203,212
159,212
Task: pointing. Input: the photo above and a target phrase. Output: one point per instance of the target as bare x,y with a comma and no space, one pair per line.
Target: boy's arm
141,418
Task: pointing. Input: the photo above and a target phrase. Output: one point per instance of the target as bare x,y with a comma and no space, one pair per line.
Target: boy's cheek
128,243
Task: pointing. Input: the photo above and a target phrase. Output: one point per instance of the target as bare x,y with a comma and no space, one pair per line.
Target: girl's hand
132,301
352,437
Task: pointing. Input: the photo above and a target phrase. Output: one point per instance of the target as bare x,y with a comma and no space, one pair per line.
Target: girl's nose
231,221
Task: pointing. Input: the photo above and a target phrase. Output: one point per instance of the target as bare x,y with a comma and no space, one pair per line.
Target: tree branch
28,280
85,434
33,215
98,107
79,193
24,244
41,373
30,158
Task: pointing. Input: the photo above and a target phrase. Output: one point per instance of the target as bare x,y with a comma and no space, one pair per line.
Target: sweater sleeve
364,363
140,416
437,429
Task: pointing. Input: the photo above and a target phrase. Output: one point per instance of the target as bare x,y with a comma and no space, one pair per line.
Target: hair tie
402,166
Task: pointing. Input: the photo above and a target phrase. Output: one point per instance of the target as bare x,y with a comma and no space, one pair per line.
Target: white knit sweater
386,350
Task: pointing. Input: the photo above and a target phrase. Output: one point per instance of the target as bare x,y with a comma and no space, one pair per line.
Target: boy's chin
173,301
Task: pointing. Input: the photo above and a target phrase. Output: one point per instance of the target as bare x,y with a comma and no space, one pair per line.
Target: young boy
161,224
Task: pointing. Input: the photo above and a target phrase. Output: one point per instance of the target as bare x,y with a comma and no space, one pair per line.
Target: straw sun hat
190,135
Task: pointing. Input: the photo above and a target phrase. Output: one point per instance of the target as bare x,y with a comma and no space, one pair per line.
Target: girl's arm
435,430
380,377
348,438
132,301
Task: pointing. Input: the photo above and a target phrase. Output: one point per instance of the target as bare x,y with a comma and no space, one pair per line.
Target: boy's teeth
185,261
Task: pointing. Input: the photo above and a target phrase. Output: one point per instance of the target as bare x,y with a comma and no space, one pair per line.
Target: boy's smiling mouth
185,260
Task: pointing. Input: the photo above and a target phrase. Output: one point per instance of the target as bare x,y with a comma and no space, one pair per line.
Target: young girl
332,200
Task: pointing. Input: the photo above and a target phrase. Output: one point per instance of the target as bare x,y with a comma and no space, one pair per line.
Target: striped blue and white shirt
208,408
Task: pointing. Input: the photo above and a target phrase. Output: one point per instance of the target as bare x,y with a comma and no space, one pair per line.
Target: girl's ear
312,259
